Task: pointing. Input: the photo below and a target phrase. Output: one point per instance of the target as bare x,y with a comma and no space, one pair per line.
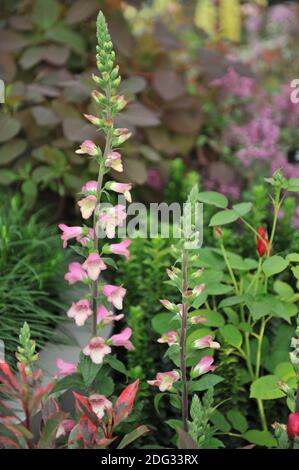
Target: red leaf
8,442
7,377
125,402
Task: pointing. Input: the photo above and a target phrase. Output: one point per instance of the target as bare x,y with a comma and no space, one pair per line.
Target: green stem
229,268
183,343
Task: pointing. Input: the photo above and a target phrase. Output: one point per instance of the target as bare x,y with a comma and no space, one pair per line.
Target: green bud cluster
26,351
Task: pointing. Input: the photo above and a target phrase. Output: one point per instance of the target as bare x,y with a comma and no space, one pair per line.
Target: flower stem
183,343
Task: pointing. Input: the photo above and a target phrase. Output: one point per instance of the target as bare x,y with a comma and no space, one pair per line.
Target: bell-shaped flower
94,265
206,342
93,119
65,368
111,218
88,147
114,294
165,380
90,187
114,161
75,274
99,404
69,232
121,188
80,311
198,319
203,366
87,206
171,337
105,316
121,248
123,339
97,349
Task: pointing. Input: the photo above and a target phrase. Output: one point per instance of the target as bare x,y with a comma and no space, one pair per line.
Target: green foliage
180,182
31,267
26,352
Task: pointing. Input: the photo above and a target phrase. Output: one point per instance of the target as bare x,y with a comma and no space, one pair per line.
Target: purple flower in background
154,179
234,84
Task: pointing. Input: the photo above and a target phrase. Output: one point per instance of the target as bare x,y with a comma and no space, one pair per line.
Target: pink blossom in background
105,317
75,274
114,294
89,186
123,339
234,84
165,380
94,265
99,404
97,349
80,311
154,179
65,368
121,248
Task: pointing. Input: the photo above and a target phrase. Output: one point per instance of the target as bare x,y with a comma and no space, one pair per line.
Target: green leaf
50,429
293,184
223,218
174,424
213,198
266,388
232,335
243,208
161,323
260,438
45,13
157,400
230,301
283,289
68,382
285,371
132,436
116,364
218,289
295,271
9,127
219,420
88,369
63,34
11,150
293,257
205,382
274,265
238,421
213,318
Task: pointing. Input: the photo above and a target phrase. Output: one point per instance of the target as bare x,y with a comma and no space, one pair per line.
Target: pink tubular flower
97,349
154,179
65,368
198,319
123,339
111,218
69,232
115,295
122,135
113,161
165,380
90,187
75,274
168,305
206,342
88,147
94,265
87,206
99,404
121,248
80,311
204,366
171,337
65,427
105,317
89,237
93,119
121,188
198,289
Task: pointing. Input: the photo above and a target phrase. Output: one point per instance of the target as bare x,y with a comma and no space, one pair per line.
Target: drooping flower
111,218
121,188
172,273
122,134
75,274
65,427
94,265
87,206
171,337
80,311
105,317
121,248
113,161
262,242
206,342
90,187
69,232
204,366
197,290
97,349
99,404
88,147
65,368
168,305
123,339
165,380
93,119
114,294
198,319
293,425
